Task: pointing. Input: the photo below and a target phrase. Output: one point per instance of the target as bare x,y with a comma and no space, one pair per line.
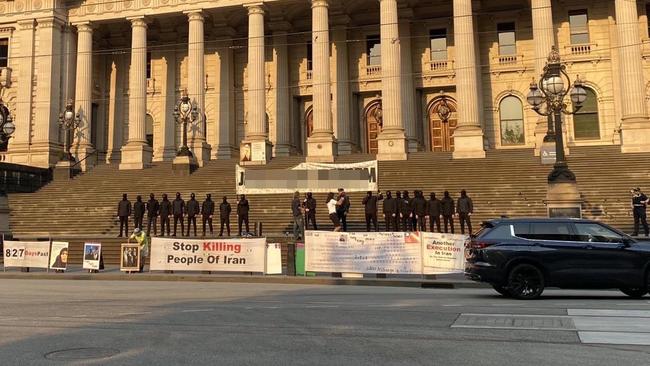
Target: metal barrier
15,178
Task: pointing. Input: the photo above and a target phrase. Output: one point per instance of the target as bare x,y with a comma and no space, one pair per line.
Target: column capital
49,22
319,3
84,27
26,24
195,15
255,8
139,21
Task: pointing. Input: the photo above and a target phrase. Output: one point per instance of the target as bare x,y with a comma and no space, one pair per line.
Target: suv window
593,232
548,231
502,231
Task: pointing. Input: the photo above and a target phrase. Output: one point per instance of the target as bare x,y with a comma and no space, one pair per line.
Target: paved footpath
61,322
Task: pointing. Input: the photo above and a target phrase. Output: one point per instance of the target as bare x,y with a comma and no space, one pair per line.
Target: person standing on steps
165,210
123,213
332,210
298,218
398,203
310,211
639,205
465,208
192,208
138,212
370,208
420,211
178,210
448,212
406,212
207,210
153,207
390,212
434,210
224,215
242,213
343,207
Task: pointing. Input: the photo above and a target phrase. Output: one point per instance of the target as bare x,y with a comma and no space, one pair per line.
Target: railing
373,70
580,49
507,59
440,65
151,86
15,178
76,166
310,74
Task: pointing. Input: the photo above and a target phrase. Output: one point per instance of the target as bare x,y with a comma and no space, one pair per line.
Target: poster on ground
59,255
33,254
231,255
381,252
273,258
130,257
443,253
92,254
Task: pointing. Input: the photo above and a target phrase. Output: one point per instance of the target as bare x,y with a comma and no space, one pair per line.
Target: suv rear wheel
525,282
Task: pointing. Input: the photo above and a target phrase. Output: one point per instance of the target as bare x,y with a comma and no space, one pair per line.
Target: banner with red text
33,254
443,253
226,255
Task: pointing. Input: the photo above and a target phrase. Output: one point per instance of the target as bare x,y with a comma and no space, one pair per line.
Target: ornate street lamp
7,126
69,121
547,99
444,111
185,112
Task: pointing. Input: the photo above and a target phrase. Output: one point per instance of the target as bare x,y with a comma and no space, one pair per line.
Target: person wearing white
331,209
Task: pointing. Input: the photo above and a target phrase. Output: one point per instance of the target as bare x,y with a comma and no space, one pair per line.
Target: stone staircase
506,182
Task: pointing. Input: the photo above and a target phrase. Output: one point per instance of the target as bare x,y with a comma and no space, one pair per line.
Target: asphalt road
54,322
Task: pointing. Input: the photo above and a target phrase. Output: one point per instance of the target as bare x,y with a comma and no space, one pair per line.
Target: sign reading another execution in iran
236,255
443,253
312,177
382,252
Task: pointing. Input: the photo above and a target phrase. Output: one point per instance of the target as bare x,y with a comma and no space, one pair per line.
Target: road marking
196,310
610,313
640,339
612,324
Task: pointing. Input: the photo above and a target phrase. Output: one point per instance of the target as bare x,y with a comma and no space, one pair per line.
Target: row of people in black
179,210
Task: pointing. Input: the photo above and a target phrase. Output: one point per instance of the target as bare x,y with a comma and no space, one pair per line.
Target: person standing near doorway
123,213
448,210
465,208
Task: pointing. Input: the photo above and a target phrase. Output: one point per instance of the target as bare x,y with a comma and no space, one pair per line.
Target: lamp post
7,126
548,99
69,121
444,111
185,112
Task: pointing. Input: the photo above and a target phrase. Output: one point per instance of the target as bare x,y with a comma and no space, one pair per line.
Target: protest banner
32,254
235,255
273,258
443,253
381,252
92,255
59,255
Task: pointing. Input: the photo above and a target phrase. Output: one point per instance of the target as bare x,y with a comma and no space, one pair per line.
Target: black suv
519,257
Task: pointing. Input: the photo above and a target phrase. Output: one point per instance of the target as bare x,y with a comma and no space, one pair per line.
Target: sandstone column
136,154
256,148
222,138
82,146
321,145
635,125
196,86
20,142
281,112
341,86
544,39
408,87
468,136
391,140
168,124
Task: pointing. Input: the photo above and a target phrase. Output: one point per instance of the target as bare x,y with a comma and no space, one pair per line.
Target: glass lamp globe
185,107
535,97
554,85
578,94
69,115
9,128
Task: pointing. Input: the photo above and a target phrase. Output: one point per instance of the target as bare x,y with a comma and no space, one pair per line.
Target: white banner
59,255
383,252
273,258
236,255
33,254
92,256
443,253
308,177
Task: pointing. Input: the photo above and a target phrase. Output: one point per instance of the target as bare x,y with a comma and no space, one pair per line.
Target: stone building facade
319,78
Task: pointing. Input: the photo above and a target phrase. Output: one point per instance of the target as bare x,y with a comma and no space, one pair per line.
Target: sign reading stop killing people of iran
33,254
443,253
236,255
380,252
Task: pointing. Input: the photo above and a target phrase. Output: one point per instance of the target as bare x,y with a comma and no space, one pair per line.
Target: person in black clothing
398,204
192,208
207,210
406,211
224,215
343,208
178,209
434,210
310,211
138,212
153,207
242,213
448,212
420,211
165,211
390,212
298,217
370,207
123,213
639,204
465,208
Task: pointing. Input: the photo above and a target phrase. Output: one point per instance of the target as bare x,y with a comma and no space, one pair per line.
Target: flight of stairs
506,182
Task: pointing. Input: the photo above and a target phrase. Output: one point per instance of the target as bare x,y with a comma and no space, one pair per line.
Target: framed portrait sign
130,257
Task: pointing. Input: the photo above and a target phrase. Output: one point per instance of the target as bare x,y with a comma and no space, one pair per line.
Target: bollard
291,259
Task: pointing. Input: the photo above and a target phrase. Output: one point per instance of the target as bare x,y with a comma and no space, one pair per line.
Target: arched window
511,114
585,122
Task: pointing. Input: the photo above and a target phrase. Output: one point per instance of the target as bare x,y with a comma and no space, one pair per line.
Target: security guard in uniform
639,203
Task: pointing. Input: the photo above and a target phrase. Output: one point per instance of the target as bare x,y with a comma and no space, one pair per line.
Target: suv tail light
478,244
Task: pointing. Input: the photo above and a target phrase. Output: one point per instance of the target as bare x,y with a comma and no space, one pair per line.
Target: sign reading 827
15,253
